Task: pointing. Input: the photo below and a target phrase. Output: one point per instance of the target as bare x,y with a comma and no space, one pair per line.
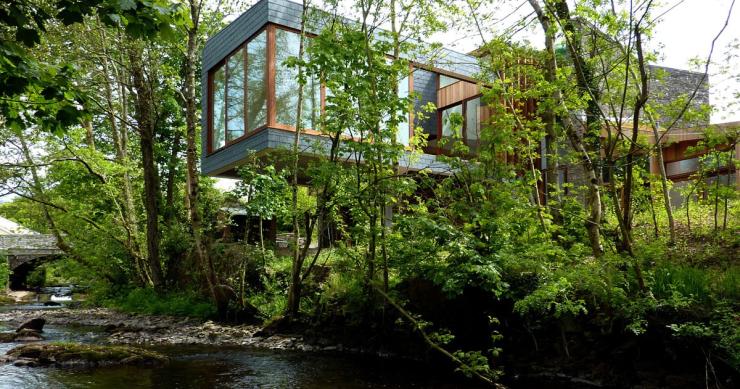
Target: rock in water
36,324
27,335
24,335
81,355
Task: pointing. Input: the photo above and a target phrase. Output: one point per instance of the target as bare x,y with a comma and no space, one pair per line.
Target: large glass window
256,80
287,45
239,93
219,109
446,80
403,126
472,120
451,121
235,95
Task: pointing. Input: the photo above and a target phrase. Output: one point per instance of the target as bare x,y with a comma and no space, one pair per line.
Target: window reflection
403,126
239,93
256,78
235,96
219,109
287,44
451,121
446,80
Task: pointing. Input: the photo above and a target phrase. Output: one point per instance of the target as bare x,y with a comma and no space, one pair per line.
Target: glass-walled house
250,96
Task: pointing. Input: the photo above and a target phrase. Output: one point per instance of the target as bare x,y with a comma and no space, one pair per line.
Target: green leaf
126,5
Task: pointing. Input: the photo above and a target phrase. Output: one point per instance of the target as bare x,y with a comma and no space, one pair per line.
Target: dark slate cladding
425,84
216,49
668,84
230,37
225,158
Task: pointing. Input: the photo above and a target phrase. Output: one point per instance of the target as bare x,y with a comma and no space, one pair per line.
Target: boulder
24,335
36,324
81,355
27,335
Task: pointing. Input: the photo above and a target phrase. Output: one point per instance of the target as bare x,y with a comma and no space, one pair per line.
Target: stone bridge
25,250
22,248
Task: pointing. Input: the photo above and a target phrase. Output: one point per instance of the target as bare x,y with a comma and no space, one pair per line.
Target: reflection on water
224,367
208,367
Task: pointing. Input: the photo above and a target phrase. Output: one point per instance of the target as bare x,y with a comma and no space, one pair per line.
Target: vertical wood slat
456,93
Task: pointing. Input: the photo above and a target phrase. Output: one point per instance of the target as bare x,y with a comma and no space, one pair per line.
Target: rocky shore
81,355
132,329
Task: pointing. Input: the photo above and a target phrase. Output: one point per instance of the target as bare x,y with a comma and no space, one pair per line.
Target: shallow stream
206,366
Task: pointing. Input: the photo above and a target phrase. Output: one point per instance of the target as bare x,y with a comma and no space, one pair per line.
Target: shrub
4,272
149,302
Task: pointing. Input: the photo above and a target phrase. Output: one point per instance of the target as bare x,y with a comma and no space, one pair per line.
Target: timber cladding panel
457,92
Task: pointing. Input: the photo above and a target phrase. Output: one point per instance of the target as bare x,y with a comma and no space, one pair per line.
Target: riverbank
124,328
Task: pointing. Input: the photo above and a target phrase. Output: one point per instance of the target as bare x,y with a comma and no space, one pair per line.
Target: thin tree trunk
652,212
640,101
294,291
593,196
118,134
193,189
145,123
716,194
171,176
664,180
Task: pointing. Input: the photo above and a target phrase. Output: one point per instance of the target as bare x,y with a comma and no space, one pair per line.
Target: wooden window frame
209,90
272,98
464,131
271,114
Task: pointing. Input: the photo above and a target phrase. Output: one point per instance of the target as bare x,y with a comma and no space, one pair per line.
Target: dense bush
147,301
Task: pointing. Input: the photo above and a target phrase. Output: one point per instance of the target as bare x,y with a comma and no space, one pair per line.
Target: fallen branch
418,328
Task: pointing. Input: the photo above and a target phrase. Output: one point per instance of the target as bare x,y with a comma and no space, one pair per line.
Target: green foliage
4,272
553,298
147,301
40,93
689,282
37,277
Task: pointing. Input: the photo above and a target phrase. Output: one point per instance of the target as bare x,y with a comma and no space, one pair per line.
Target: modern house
250,97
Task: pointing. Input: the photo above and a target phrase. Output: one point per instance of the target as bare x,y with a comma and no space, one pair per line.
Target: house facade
250,98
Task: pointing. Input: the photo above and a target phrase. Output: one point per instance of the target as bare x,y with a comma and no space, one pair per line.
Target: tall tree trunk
551,180
588,85
294,291
145,123
169,204
202,256
640,101
585,83
118,134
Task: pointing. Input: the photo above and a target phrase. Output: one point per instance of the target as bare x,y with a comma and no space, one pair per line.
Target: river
207,366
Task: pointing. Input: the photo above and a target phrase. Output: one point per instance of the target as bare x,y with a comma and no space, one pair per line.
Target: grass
149,302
